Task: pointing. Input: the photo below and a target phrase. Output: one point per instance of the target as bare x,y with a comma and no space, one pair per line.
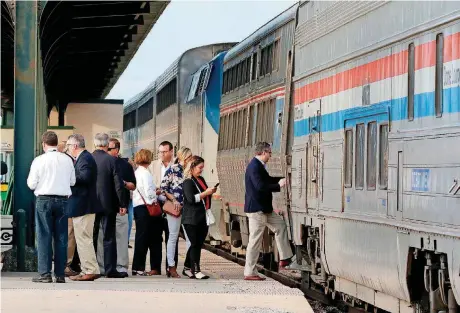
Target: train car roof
161,80
263,31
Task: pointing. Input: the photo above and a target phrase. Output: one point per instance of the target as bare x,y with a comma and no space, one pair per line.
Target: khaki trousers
257,223
71,242
83,229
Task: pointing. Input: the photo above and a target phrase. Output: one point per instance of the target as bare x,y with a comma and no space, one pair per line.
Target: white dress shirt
51,174
145,185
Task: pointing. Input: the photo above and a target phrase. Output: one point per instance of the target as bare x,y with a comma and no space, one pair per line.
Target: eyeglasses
163,152
110,149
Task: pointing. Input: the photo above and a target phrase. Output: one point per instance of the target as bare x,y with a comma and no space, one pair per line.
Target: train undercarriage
428,279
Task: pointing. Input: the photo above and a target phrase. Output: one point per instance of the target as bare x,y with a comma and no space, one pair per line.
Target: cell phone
217,185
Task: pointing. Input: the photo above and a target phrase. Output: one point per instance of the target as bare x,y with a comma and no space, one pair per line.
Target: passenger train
361,103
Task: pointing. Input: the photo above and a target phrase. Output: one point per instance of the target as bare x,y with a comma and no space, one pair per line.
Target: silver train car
361,102
157,113
253,101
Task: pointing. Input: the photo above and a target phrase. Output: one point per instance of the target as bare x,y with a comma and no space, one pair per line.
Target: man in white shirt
158,169
51,176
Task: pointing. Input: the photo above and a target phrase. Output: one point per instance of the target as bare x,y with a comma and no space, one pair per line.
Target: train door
366,161
313,110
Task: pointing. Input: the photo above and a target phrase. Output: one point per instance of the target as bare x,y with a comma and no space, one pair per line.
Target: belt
53,196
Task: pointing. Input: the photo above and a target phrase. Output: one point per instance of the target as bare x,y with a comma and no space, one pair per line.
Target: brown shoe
254,277
69,272
153,273
86,277
173,272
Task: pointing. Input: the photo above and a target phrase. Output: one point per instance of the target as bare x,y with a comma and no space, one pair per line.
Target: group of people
85,200
86,203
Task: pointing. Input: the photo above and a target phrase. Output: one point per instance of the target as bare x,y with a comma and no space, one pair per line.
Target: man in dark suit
259,210
82,207
111,201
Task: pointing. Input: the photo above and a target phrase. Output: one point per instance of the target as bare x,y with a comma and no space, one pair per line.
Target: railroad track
315,297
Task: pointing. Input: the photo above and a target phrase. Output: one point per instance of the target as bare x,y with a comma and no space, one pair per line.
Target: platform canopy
85,45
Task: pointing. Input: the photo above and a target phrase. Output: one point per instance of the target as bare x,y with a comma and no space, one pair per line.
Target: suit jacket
193,212
259,188
127,174
109,185
84,197
155,170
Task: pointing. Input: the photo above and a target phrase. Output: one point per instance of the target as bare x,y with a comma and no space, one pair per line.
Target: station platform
225,292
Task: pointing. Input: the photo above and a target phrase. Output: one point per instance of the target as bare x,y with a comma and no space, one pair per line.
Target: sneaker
200,275
60,280
43,279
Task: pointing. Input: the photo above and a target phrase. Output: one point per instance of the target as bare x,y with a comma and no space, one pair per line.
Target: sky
188,24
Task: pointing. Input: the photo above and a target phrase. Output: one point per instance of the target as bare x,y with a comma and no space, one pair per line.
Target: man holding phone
259,209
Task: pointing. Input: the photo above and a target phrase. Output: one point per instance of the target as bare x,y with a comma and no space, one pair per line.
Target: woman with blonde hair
171,186
197,200
149,229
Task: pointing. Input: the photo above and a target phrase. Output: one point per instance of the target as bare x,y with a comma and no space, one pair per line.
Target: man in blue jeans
51,175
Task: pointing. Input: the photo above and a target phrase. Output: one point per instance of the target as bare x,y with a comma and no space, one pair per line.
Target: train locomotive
361,103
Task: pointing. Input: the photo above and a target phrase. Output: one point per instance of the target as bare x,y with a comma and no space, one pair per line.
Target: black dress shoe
60,280
116,274
125,274
43,279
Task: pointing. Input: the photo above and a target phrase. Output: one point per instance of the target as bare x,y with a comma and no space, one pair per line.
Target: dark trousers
75,264
108,221
196,234
51,222
149,231
176,254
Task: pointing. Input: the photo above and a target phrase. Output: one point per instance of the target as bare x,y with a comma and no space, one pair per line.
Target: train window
411,82
348,157
359,157
254,66
371,172
235,78
439,74
276,56
129,120
248,70
238,75
269,65
263,56
251,126
145,112
224,82
243,72
166,96
383,156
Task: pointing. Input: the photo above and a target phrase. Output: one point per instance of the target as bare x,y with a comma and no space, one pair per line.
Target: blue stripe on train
423,107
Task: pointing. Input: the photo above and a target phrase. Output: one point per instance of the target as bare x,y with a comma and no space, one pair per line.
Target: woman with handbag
148,217
171,186
196,213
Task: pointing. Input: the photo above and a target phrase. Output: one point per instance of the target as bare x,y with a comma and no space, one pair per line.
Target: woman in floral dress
171,186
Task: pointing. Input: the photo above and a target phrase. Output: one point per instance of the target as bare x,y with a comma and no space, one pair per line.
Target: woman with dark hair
197,200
